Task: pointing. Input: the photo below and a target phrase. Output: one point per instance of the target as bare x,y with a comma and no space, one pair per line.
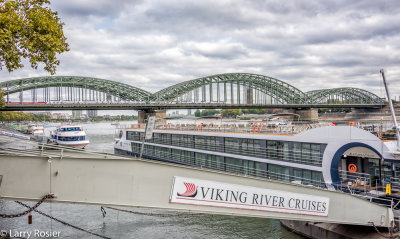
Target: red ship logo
191,191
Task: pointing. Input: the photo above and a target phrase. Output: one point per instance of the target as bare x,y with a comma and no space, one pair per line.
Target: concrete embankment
361,115
336,231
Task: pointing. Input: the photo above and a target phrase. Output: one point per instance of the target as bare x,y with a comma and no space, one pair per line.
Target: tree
2,102
29,29
229,113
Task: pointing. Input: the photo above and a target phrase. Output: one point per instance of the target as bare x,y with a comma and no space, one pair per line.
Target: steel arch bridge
344,95
281,91
112,88
222,90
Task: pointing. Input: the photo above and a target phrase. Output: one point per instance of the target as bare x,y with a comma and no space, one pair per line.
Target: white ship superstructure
70,136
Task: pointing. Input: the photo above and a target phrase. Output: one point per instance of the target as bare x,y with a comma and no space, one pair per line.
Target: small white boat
70,136
35,129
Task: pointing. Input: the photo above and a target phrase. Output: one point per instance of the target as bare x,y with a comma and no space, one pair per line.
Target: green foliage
15,116
208,112
113,118
2,102
256,111
29,29
42,117
229,113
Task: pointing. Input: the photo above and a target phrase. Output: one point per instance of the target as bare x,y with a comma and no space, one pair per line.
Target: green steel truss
123,91
345,95
280,91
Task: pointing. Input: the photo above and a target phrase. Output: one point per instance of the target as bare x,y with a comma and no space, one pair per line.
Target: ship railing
213,163
61,151
356,179
310,158
47,150
253,128
395,183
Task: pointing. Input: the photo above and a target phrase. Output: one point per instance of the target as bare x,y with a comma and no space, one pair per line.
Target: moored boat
344,158
35,129
70,136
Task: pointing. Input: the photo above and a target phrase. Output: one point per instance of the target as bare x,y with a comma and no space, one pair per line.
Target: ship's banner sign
209,193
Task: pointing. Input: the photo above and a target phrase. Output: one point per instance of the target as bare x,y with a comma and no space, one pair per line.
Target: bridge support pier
144,114
308,115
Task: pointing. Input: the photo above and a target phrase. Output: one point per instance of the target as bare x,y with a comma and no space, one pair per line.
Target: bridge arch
112,88
344,95
280,91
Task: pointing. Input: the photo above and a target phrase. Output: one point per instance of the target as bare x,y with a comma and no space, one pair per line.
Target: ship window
200,159
132,135
164,138
135,147
148,150
286,153
187,140
307,176
296,152
297,174
252,168
278,172
209,161
279,149
161,152
176,140
316,176
257,148
316,153
274,171
271,149
199,142
232,165
182,156
214,161
305,152
251,147
231,145
157,138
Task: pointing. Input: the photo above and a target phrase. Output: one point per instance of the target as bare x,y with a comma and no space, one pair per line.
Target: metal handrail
275,154
236,169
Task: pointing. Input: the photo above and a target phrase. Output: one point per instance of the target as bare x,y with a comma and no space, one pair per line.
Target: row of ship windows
71,129
308,153
75,138
233,165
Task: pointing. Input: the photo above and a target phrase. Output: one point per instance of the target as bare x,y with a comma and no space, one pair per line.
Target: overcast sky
155,44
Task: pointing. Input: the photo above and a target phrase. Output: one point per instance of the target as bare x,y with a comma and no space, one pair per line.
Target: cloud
154,44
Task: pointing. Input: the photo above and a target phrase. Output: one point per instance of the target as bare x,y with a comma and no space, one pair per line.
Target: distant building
59,116
92,113
189,112
77,114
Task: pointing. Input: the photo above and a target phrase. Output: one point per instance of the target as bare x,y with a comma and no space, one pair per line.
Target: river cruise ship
69,136
344,157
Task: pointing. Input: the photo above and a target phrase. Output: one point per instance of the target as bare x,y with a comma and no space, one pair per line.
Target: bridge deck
162,106
78,177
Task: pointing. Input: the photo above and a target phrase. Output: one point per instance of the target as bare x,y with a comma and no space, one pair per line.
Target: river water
118,224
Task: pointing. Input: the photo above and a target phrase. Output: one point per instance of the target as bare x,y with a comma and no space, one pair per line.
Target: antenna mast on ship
391,110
